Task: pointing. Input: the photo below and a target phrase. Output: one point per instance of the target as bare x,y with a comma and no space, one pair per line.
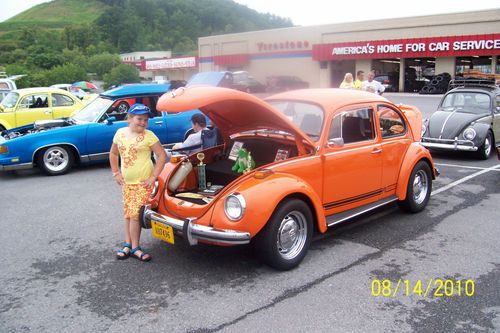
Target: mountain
130,25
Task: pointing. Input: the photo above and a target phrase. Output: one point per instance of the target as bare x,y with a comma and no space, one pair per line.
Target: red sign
286,45
476,45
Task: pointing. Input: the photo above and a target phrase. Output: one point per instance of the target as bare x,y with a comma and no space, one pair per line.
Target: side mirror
336,142
110,120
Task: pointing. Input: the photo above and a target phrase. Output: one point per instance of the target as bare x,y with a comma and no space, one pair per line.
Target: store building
409,49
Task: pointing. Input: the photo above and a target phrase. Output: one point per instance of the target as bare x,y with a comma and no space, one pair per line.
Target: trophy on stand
202,181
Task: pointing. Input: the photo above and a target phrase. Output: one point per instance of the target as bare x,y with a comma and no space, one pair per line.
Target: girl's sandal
123,254
140,257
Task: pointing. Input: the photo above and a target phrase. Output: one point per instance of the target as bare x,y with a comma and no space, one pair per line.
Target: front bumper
193,232
449,144
10,167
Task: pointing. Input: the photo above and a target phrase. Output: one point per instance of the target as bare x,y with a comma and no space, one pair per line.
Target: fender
260,207
5,124
414,154
481,131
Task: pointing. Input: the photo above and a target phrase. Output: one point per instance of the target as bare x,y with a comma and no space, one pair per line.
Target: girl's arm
161,158
114,155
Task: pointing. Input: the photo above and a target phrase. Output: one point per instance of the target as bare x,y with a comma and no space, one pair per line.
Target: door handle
47,112
376,151
158,122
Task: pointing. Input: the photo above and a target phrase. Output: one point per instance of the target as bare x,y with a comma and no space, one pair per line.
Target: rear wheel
484,151
122,107
419,188
55,160
285,239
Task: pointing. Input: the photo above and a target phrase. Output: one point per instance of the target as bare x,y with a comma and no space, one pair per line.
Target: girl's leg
135,233
125,251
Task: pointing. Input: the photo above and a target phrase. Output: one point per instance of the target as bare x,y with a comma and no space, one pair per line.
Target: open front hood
230,110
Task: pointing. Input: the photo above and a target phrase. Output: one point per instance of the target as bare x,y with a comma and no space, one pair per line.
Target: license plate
163,232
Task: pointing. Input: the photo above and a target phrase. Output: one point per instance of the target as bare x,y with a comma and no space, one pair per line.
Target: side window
353,126
35,101
391,122
497,103
61,100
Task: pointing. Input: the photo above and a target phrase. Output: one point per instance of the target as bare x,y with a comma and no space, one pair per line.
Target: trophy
202,181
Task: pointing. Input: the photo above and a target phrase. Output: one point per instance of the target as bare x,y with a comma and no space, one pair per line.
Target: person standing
360,77
372,85
137,174
348,82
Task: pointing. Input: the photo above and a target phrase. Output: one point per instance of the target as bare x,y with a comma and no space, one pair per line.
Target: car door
394,143
496,120
352,160
33,107
61,105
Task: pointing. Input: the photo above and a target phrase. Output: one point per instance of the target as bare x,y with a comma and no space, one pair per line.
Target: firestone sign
407,48
171,63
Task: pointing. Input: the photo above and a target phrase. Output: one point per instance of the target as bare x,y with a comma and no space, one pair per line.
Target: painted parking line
464,166
462,180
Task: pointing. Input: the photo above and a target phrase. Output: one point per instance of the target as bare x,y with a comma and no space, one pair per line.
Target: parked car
389,81
24,106
56,145
78,92
467,119
284,83
321,156
243,81
6,85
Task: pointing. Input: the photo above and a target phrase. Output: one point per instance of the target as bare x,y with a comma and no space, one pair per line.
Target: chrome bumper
193,232
449,144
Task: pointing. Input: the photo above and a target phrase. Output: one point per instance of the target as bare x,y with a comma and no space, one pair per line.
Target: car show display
306,160
56,145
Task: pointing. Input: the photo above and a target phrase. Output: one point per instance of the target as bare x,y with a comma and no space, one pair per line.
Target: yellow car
24,106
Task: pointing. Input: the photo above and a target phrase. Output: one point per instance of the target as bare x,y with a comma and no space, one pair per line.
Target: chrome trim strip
194,232
22,166
98,157
445,122
343,216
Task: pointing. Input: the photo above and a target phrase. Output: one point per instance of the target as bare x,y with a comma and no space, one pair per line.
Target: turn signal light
4,149
263,174
177,158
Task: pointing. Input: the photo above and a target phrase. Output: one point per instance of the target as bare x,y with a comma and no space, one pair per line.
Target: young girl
137,175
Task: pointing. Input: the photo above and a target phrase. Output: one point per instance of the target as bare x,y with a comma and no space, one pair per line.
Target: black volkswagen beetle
467,119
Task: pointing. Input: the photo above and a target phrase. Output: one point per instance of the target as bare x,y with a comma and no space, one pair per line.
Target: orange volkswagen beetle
308,159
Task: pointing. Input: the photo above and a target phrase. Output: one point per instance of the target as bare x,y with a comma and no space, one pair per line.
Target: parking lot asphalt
59,273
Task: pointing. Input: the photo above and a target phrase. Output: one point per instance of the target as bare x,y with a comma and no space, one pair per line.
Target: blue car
55,146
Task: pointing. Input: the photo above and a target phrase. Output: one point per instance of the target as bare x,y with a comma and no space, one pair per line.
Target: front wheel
484,151
285,239
55,160
419,188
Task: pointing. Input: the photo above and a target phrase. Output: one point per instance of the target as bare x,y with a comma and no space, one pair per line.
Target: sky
314,12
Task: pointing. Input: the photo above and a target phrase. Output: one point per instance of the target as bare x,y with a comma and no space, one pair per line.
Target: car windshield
93,111
470,102
10,100
308,117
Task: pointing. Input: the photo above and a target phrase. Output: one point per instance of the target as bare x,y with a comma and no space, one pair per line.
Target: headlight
424,126
235,206
469,134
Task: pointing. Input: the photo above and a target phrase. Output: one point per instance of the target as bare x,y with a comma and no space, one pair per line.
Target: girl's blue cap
138,109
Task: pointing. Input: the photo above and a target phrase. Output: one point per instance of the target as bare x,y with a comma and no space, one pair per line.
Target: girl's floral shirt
135,154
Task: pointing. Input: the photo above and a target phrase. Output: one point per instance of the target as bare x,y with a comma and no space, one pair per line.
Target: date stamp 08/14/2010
430,288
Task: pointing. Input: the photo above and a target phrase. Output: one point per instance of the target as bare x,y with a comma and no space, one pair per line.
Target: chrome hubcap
292,235
55,159
487,146
420,187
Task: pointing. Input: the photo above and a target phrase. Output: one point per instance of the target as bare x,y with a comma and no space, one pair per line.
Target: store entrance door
339,69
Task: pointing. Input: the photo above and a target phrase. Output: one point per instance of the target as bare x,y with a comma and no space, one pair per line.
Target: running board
341,217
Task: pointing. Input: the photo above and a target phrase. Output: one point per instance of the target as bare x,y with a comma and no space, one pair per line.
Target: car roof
482,89
137,89
39,90
329,98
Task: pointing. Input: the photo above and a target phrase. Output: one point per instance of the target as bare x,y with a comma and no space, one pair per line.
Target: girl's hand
149,182
119,179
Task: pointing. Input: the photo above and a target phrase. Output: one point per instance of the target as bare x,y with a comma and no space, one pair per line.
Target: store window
470,66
